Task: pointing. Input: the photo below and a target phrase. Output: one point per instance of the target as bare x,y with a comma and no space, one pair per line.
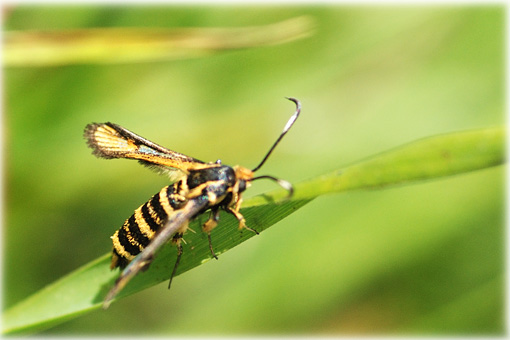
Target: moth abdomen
138,230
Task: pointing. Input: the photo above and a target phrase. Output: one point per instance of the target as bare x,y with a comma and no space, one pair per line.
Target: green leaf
84,289
127,45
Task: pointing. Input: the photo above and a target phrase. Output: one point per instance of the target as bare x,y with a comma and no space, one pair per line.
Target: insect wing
143,260
109,140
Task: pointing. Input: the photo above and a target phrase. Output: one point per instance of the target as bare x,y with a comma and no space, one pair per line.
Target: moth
198,188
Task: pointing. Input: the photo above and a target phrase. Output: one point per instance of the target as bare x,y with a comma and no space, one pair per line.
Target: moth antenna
284,184
285,129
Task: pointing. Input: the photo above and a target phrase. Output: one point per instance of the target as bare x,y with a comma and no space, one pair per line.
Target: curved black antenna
285,129
284,184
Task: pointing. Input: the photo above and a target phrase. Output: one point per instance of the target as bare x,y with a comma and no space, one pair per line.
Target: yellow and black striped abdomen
141,227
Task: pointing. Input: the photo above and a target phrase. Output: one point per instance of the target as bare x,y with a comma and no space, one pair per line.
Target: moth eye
242,186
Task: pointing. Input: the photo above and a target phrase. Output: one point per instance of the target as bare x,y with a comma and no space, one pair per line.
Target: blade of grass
433,157
84,289
127,45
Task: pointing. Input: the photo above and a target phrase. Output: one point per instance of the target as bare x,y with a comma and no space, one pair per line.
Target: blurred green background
418,259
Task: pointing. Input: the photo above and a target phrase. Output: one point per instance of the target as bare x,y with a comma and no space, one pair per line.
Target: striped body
142,226
215,185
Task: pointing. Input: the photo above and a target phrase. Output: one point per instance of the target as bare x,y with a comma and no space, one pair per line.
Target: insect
198,187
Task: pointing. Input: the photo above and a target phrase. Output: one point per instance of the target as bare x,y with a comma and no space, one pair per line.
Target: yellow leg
212,222
240,217
209,225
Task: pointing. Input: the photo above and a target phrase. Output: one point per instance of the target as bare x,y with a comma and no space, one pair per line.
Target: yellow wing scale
107,141
110,140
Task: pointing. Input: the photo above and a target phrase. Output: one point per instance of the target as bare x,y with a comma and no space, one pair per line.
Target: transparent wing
109,140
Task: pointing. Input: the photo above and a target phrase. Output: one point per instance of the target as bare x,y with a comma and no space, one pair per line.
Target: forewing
143,260
109,140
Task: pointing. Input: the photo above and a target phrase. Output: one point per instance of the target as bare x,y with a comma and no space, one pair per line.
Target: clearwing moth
198,187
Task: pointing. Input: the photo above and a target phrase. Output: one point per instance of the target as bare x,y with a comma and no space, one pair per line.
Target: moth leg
209,225
179,254
240,217
177,239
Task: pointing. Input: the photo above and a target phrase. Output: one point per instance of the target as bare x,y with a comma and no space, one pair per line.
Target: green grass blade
434,157
127,45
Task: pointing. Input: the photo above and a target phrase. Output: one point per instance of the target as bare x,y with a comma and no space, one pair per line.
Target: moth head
244,177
